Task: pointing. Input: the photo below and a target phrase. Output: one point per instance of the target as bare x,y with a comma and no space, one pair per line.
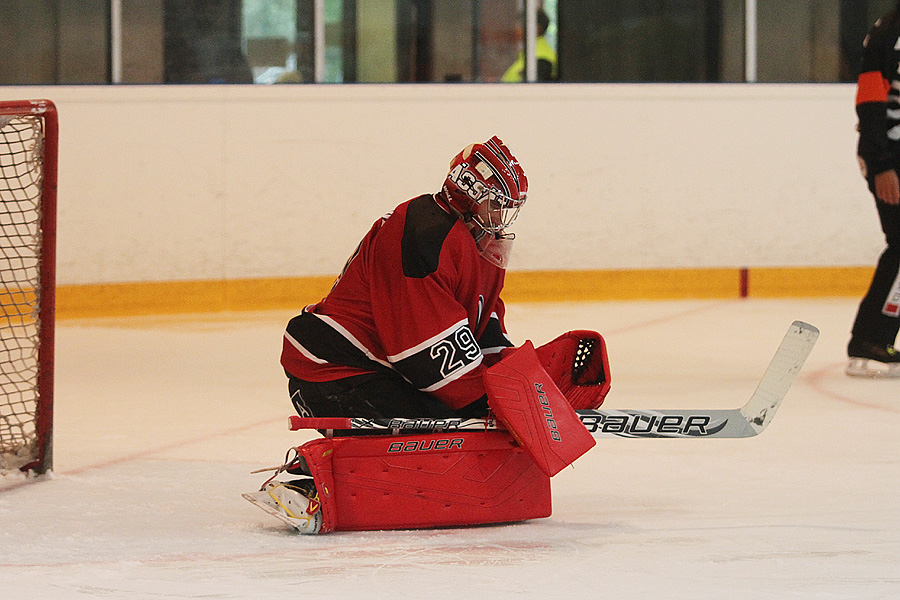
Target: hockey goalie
414,327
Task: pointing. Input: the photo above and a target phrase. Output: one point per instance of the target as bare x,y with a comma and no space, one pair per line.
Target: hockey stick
747,421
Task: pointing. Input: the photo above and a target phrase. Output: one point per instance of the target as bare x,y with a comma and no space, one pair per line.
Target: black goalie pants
374,396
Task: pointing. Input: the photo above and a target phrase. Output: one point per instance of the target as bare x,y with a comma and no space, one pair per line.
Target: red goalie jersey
417,297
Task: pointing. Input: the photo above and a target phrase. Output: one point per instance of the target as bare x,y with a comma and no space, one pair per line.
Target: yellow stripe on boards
178,297
804,282
662,284
184,297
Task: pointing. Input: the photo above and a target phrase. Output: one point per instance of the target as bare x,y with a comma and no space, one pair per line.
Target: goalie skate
294,502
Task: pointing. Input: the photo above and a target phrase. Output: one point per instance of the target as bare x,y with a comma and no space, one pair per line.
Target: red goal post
28,163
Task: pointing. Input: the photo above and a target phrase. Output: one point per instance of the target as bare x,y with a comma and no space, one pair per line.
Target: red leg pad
528,402
430,480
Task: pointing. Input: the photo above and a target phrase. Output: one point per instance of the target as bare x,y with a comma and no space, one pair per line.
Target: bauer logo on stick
427,424
631,424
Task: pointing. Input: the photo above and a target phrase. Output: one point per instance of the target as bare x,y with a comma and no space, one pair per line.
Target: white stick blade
796,346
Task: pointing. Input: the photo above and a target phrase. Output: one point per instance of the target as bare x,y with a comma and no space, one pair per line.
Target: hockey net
28,152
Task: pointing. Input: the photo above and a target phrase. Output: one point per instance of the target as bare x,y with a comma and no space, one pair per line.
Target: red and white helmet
486,184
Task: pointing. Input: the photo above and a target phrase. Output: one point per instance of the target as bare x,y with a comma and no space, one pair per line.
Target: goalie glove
578,364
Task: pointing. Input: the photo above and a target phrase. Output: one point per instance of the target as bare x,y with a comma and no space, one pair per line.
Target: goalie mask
486,185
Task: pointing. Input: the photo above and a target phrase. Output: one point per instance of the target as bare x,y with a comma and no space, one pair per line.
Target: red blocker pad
578,363
524,397
430,480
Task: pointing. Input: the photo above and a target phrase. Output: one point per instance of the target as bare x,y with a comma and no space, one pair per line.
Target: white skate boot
294,502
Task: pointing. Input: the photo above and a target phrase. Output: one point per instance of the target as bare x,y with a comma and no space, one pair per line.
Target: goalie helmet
486,185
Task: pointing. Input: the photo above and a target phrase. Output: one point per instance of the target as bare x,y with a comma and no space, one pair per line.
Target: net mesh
21,175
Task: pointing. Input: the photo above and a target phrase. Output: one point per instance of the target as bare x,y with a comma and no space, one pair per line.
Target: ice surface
159,422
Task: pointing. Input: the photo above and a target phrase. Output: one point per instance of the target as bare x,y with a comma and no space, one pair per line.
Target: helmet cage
488,185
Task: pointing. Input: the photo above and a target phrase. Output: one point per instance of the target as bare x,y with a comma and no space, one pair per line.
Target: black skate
868,359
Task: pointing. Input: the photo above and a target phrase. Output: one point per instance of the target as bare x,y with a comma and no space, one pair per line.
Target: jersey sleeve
494,337
423,327
429,342
875,147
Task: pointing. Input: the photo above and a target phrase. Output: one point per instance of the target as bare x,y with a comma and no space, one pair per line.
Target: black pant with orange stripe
872,323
